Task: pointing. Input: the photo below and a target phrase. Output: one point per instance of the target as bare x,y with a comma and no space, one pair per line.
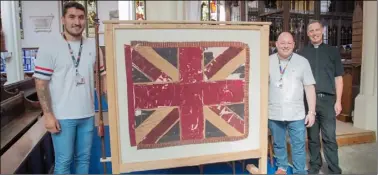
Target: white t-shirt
286,103
54,63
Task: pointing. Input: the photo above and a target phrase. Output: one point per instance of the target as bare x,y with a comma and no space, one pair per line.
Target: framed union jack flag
186,93
182,93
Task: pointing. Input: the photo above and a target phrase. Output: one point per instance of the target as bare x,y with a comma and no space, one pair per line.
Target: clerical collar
316,45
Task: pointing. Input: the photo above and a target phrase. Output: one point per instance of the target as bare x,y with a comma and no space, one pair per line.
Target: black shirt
325,64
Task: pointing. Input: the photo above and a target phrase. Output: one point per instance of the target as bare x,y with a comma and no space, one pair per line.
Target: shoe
280,171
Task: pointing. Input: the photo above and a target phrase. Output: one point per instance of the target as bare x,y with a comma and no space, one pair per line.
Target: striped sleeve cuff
42,73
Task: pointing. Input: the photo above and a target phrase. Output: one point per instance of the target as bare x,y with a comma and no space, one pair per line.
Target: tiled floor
355,159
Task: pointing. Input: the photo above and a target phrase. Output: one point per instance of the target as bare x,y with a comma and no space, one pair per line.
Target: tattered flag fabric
183,93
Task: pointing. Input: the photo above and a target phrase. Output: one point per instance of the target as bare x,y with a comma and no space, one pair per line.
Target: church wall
167,10
46,8
38,8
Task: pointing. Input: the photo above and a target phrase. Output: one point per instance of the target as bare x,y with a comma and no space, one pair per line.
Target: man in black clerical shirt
327,68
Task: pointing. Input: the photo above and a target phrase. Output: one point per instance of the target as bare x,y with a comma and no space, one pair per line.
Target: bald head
285,44
285,36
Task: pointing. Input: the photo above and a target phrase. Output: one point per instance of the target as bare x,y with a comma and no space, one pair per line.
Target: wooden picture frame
116,31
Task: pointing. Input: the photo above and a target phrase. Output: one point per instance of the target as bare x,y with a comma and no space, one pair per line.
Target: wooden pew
26,146
17,116
351,88
3,80
32,154
26,85
19,111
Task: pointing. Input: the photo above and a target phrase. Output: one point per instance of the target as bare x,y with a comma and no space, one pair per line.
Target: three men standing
61,83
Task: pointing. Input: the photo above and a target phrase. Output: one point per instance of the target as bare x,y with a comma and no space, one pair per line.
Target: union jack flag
186,92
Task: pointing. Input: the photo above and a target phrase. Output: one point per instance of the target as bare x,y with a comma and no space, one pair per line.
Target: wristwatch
312,112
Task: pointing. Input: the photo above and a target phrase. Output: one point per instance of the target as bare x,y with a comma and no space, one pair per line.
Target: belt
320,95
323,94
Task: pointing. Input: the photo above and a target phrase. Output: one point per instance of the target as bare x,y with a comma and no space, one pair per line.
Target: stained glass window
140,10
235,11
209,10
204,11
91,8
21,21
213,10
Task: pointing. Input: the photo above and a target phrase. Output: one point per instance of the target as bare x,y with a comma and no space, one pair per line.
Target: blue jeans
296,130
73,143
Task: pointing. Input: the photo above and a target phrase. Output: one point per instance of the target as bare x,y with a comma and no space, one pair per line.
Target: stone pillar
192,10
365,114
180,10
164,10
126,10
11,28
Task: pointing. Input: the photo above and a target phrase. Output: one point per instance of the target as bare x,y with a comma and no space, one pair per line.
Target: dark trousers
325,123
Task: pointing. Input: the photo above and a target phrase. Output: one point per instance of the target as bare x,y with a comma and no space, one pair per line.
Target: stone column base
365,112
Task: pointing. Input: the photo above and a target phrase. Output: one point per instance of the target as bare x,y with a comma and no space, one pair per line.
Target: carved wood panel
346,99
352,69
357,33
351,81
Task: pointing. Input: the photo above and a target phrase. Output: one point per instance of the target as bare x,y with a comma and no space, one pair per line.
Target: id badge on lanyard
279,84
78,78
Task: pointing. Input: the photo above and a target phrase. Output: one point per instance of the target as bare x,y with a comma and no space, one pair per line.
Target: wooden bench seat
17,127
26,86
18,114
22,85
30,92
13,158
26,146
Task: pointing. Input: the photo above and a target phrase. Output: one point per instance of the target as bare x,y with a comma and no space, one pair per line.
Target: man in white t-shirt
289,76
64,76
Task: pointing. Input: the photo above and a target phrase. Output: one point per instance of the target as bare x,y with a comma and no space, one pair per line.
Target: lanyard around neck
282,71
75,61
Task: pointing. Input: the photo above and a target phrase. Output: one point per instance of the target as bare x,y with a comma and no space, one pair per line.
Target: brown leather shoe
280,171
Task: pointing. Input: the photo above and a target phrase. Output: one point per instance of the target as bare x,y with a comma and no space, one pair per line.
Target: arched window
91,7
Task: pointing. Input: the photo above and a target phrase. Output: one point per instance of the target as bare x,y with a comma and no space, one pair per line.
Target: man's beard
74,34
